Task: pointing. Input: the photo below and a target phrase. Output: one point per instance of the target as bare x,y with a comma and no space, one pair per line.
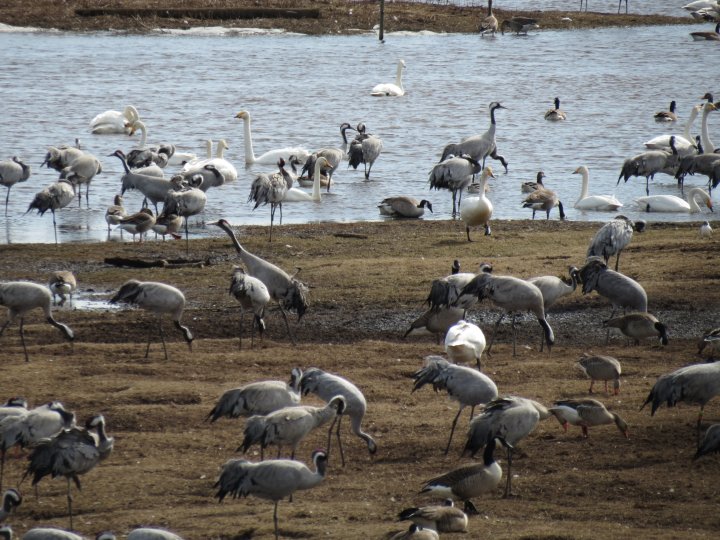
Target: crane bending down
287,291
158,298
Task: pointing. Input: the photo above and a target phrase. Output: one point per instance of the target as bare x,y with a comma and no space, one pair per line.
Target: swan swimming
390,89
298,195
177,158
114,121
270,157
226,168
606,203
672,203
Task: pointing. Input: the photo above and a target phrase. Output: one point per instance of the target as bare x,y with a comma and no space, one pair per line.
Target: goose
365,149
464,342
667,116
390,89
54,197
158,298
270,157
519,25
114,121
684,143
454,173
511,417
601,368
529,187
613,237
20,297
710,442
138,223
489,25
12,172
673,203
298,195
705,230
707,36
440,518
556,114
227,169
61,283
272,480
586,413
468,386
639,326
114,212
468,481
404,207
415,532
436,320
334,157
606,203
477,209
544,199
168,223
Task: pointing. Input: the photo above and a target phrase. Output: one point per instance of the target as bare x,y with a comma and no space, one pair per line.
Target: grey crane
334,157
441,518
252,294
184,202
206,177
287,291
53,197
154,189
12,172
80,171
613,237
404,207
468,481
326,386
270,189
447,291
478,147
142,533
365,149
649,163
695,384
554,288
601,368
71,453
437,321
555,114
160,299
272,480
62,283
710,442
59,157
511,295
289,426
11,499
14,406
138,223
586,413
709,338
512,418
258,398
519,25
638,326
20,297
454,173
468,386
416,532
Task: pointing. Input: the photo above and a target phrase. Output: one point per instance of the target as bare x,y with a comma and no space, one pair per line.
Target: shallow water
189,86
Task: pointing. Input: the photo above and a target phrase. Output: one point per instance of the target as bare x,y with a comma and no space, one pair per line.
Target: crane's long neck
249,154
398,76
316,182
124,163
705,133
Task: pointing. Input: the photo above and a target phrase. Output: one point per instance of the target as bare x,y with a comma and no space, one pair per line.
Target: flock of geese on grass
276,417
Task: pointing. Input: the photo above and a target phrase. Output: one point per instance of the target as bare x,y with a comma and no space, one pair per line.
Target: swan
390,89
114,121
606,203
176,158
683,143
298,195
270,157
708,145
477,209
672,203
227,169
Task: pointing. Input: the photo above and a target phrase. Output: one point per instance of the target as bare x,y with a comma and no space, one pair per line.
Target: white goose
390,89
601,203
114,121
477,209
270,157
227,169
672,203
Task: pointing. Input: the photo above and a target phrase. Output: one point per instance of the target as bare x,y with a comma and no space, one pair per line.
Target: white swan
683,143
177,158
476,209
708,145
606,203
227,169
672,203
390,89
271,157
114,121
298,195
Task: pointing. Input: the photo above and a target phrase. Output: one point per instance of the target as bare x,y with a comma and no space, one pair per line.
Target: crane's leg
87,195
492,339
617,261
147,351
592,381
54,226
187,239
329,441
272,217
514,332
454,198
2,467
699,420
7,198
337,433
162,337
69,501
22,338
452,429
508,484
275,520
287,325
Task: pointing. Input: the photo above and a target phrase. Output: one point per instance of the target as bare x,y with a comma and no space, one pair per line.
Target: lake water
189,85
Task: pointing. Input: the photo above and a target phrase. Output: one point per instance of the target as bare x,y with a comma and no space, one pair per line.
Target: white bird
270,157
705,230
272,480
440,518
477,209
464,342
601,203
586,413
158,298
114,121
12,172
70,453
294,194
390,89
62,283
468,386
673,203
555,114
226,168
404,207
252,294
613,237
258,398
20,297
53,197
416,532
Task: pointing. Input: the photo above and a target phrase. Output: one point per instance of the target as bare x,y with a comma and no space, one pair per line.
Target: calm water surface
189,86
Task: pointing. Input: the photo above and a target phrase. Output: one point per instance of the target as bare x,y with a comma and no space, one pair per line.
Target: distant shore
333,16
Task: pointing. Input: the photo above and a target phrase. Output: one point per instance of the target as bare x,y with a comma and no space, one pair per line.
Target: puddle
90,301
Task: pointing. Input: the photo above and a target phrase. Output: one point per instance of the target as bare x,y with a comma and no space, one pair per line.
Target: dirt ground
367,283
335,16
